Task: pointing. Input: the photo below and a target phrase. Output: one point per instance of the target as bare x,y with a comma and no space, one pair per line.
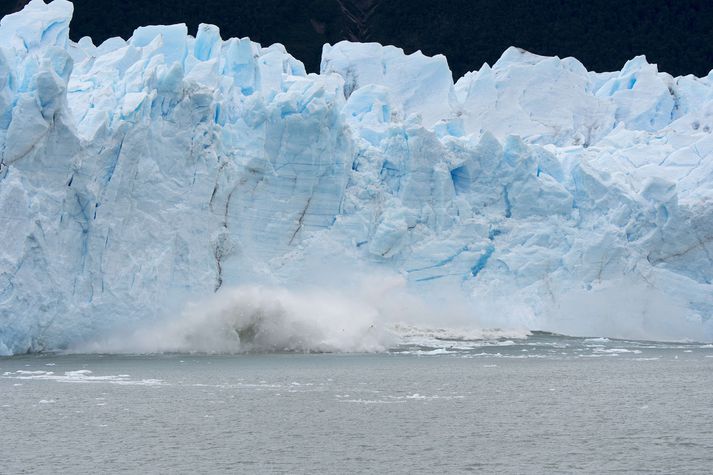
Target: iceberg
140,175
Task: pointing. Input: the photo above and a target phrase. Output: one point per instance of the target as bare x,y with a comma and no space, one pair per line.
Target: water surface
547,404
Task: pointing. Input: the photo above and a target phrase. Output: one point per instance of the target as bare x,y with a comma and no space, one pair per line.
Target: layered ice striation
138,175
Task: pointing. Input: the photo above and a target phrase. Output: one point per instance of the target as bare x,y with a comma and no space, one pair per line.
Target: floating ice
139,175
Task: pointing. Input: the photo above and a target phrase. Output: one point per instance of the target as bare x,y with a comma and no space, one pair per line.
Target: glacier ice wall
138,175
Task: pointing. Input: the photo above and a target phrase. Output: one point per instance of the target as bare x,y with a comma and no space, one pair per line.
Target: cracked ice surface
138,175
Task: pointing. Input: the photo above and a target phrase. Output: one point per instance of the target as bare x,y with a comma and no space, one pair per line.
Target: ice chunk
172,40
422,85
37,26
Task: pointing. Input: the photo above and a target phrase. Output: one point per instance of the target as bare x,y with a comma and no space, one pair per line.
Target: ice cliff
136,176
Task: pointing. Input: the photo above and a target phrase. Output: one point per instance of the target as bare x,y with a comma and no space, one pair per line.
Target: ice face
139,175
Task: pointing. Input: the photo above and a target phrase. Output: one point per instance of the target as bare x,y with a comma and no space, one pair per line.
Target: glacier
140,176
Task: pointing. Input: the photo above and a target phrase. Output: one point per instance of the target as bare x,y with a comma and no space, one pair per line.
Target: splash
380,312
373,315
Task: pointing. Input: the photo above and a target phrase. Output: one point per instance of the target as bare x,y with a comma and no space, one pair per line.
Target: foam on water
79,376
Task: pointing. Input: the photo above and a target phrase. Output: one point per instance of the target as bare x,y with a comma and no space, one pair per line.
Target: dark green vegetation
603,34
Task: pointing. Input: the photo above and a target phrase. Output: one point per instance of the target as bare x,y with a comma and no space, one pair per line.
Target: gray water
547,404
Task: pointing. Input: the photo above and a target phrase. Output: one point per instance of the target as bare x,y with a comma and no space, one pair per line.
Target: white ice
138,176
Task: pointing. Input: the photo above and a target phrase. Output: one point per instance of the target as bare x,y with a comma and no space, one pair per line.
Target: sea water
545,404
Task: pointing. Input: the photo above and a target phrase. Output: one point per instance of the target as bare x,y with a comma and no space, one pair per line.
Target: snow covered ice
139,176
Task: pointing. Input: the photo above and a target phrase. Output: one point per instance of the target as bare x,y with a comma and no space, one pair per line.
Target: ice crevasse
137,175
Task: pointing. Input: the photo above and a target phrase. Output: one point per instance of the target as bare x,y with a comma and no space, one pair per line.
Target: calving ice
139,176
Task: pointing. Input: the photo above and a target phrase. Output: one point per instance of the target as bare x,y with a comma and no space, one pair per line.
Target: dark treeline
603,34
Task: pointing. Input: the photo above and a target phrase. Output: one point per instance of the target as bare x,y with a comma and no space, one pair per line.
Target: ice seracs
142,174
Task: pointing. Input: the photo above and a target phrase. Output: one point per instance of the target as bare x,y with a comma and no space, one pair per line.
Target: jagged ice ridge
138,175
